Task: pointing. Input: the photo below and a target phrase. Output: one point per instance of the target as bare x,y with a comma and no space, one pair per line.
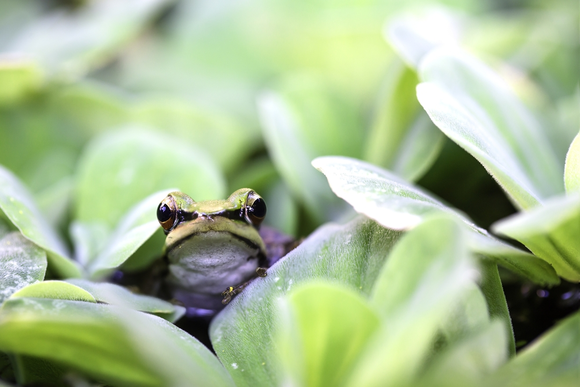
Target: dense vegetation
428,153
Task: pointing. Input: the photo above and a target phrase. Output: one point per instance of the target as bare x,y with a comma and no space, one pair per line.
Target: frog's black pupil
259,208
163,213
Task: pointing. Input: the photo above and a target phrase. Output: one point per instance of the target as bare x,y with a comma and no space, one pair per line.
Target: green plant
401,288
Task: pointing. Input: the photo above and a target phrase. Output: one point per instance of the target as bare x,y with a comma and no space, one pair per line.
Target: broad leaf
242,333
100,28
21,263
113,345
572,169
468,361
550,232
117,295
402,138
551,360
474,108
399,205
19,206
322,332
56,290
291,155
421,282
135,228
119,169
414,34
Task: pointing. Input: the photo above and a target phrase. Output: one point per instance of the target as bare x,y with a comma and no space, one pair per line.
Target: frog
213,249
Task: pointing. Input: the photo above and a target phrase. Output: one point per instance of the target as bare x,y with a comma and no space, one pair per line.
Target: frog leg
232,291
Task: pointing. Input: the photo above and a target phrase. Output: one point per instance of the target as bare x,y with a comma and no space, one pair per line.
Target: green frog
214,248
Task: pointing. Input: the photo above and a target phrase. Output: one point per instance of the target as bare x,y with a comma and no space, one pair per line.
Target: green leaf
322,333
242,333
57,290
19,207
19,79
402,138
398,205
422,281
22,263
414,34
113,345
551,360
200,127
135,228
474,108
121,168
72,43
291,153
468,361
550,232
572,168
119,296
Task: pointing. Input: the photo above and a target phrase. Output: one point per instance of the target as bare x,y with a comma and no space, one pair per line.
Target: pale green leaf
422,281
134,229
118,295
402,139
475,108
99,28
21,263
113,345
292,155
550,232
19,206
242,333
58,290
324,330
120,168
551,360
572,168
398,204
19,79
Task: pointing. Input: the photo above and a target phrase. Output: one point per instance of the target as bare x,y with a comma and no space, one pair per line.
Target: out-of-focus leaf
71,43
476,356
292,155
113,345
58,290
55,201
19,79
402,138
117,295
242,333
200,127
421,282
19,207
550,232
118,169
134,229
474,108
398,204
572,168
551,360
22,263
322,332
414,34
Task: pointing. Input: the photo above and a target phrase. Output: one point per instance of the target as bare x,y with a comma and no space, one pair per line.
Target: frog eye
255,209
167,213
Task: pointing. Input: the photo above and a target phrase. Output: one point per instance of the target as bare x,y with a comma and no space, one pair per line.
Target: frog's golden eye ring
255,209
167,213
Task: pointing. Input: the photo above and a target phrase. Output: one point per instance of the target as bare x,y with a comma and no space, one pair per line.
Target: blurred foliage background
194,71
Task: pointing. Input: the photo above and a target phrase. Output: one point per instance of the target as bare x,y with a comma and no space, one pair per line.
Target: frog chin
208,263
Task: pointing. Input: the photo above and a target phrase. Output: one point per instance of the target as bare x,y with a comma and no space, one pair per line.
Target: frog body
213,248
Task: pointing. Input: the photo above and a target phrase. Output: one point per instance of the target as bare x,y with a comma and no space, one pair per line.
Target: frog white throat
204,264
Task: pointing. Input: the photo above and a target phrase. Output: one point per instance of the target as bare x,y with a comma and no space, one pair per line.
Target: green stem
495,297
